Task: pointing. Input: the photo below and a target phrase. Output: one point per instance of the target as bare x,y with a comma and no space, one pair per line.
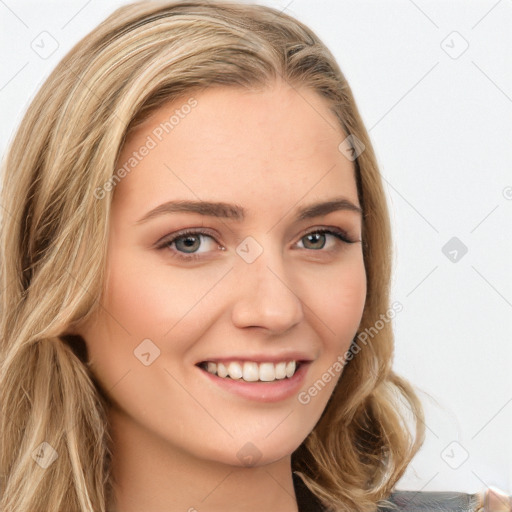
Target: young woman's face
265,277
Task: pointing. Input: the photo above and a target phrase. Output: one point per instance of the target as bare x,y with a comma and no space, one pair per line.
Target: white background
440,121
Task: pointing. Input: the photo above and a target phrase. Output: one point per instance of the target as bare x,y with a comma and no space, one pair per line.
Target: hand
495,500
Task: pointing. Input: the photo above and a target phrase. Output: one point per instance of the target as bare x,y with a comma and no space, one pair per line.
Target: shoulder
414,501
491,500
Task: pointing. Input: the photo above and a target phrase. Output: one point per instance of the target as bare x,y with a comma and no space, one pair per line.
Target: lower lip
262,391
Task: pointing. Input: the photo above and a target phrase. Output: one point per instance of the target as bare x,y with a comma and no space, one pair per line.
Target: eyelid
171,237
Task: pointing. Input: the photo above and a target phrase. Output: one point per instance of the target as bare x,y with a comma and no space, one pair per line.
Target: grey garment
429,501
400,501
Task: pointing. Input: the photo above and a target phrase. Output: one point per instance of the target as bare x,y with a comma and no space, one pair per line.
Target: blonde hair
54,238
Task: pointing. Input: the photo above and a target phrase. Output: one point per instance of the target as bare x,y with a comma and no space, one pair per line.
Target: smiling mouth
250,371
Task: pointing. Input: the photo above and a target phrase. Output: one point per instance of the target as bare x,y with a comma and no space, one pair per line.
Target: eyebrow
236,212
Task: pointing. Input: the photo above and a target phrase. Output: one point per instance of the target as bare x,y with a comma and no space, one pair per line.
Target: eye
187,244
316,240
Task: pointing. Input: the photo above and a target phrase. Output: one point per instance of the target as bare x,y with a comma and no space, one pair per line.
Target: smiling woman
196,239
243,333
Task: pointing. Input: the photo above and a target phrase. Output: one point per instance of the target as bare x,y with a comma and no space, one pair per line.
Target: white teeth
222,370
267,372
234,370
251,371
280,370
290,369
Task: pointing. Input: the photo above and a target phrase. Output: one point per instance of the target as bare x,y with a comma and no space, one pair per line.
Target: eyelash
337,233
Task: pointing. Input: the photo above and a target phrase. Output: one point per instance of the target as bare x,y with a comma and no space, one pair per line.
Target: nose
264,296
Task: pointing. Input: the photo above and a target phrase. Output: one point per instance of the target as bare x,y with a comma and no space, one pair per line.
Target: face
259,277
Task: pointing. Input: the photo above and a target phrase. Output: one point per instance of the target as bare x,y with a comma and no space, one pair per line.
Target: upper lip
261,358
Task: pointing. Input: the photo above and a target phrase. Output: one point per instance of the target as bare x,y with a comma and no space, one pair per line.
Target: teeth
251,372
222,371
234,370
267,372
290,369
280,370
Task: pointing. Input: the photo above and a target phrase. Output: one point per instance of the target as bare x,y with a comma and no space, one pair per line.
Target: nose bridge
265,295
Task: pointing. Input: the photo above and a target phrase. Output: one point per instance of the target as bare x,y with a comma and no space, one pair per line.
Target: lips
260,390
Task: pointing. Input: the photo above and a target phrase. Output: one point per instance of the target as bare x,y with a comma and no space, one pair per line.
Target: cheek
339,297
149,298
145,301
339,307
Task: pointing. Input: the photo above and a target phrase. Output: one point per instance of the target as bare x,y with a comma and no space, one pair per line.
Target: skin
176,435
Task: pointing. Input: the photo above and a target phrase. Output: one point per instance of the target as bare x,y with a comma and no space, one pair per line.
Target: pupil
317,236
189,242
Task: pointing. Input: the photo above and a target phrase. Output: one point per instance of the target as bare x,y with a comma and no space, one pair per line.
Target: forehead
275,145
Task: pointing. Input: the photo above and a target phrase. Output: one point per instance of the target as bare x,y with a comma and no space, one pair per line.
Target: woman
196,236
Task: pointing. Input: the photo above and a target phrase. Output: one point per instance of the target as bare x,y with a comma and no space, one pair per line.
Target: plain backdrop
433,82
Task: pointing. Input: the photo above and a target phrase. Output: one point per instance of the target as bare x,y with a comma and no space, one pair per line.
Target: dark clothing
404,501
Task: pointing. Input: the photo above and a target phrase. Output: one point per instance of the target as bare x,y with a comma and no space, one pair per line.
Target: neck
152,475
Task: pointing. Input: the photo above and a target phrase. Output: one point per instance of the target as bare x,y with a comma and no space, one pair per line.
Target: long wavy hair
54,232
